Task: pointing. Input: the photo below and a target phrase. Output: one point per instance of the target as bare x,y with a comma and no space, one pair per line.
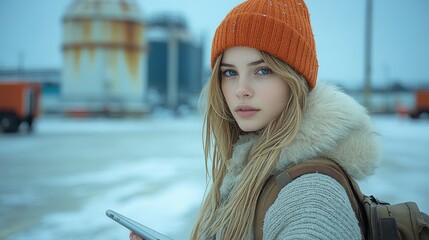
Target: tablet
144,232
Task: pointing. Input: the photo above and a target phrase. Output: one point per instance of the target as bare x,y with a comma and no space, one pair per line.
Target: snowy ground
57,182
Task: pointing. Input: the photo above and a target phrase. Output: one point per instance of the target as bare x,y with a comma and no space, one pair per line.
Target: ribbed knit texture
279,27
314,206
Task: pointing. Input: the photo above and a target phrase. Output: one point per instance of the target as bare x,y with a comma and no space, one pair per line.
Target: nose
244,89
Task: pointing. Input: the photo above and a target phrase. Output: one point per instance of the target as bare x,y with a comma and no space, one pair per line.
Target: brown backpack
377,219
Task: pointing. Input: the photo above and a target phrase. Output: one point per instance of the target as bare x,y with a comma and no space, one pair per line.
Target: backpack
377,219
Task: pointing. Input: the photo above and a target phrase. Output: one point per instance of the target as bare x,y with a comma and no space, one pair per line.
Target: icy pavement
57,182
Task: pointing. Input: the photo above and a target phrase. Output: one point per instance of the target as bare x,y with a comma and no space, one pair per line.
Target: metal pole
172,69
368,54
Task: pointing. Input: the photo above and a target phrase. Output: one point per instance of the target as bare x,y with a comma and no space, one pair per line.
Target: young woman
265,112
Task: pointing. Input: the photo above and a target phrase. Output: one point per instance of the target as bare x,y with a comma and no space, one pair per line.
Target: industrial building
116,60
175,61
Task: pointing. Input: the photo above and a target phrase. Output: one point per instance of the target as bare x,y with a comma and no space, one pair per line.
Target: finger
134,236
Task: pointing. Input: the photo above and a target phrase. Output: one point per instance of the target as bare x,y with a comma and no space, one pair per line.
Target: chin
248,128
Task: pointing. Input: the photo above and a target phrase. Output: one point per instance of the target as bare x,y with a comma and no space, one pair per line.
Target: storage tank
104,57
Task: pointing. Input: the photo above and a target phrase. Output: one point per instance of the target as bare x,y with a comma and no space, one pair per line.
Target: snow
403,174
58,181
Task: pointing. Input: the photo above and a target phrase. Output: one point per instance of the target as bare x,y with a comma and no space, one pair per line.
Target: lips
246,111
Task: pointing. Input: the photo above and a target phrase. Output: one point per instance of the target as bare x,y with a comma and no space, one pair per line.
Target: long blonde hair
235,218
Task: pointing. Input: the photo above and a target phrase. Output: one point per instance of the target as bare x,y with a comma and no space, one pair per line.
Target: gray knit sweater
315,206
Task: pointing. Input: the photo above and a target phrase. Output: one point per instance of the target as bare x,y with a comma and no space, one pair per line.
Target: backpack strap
325,166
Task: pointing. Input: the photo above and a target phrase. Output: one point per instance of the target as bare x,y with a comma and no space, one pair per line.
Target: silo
104,57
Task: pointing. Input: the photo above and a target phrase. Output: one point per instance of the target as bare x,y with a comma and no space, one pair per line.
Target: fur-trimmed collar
334,125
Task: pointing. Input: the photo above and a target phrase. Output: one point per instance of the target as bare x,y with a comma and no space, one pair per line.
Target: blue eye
229,73
264,71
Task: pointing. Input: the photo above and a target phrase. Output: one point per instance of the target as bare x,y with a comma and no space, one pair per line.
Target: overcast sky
31,34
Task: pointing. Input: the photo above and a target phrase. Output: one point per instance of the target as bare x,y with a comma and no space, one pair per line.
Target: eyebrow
249,64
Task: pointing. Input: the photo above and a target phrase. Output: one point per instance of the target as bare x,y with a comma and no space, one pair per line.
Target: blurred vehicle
421,103
19,102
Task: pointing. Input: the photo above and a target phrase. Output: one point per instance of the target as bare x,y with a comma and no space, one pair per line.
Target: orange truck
421,103
19,102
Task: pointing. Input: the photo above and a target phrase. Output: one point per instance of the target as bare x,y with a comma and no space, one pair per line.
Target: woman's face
255,95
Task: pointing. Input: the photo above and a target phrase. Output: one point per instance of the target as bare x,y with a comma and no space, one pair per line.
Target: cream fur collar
334,125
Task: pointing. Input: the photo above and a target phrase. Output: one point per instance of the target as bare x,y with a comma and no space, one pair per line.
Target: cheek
222,88
279,95
226,91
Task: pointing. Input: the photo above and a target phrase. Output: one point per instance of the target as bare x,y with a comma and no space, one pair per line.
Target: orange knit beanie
279,27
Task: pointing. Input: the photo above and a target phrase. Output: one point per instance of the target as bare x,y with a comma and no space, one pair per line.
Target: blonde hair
235,218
